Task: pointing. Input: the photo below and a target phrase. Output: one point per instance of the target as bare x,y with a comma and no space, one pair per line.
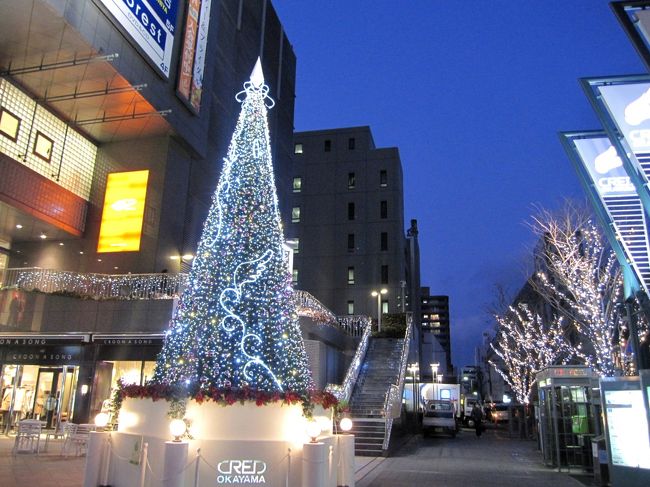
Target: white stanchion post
345,477
94,455
196,468
314,464
143,464
288,467
175,460
106,463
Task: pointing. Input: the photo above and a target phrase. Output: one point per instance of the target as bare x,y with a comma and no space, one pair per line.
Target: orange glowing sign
123,212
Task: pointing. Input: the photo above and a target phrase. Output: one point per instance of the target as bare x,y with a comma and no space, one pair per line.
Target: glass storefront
38,392
107,375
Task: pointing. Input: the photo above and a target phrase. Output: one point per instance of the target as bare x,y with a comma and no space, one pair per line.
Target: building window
351,180
350,307
383,178
297,185
351,213
384,307
295,214
350,275
351,143
294,277
383,209
43,146
297,148
384,274
384,241
9,124
350,242
327,146
296,245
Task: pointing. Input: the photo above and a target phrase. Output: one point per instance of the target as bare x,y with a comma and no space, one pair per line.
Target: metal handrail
395,392
344,391
159,285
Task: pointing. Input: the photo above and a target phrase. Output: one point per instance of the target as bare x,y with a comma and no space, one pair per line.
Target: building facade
435,329
347,221
113,125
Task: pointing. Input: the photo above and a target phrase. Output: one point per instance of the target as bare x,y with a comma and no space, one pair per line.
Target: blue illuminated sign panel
619,199
151,24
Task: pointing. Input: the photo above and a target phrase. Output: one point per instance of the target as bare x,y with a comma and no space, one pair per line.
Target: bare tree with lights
525,345
580,277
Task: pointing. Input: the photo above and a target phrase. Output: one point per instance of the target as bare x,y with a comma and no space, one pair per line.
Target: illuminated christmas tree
236,324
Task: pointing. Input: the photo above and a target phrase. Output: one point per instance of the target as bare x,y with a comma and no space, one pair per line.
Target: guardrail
396,391
344,391
96,286
160,285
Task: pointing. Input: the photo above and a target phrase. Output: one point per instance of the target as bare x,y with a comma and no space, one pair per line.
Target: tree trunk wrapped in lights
236,324
526,345
580,277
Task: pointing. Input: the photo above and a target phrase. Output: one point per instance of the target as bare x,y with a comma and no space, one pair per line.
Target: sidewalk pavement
493,460
51,469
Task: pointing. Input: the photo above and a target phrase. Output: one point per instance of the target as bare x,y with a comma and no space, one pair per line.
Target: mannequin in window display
50,407
5,404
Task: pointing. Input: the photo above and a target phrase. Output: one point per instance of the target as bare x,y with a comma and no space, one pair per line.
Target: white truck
439,416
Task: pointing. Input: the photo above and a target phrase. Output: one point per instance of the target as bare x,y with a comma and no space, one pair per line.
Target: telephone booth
569,412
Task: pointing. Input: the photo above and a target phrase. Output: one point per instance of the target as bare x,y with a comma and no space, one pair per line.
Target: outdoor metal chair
28,436
69,429
79,439
59,432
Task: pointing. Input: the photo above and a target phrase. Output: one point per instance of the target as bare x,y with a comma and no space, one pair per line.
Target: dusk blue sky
473,94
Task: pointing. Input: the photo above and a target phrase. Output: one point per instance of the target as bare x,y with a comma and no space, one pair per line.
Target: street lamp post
378,295
434,373
413,368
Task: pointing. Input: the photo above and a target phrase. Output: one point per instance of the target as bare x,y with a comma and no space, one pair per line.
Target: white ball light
313,430
101,420
345,424
177,428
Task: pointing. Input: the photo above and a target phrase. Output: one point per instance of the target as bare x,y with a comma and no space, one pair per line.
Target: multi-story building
114,119
347,221
435,328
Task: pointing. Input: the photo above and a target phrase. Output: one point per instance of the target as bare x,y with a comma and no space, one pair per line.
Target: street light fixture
414,368
378,295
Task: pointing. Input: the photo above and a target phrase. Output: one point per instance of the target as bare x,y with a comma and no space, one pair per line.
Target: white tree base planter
240,445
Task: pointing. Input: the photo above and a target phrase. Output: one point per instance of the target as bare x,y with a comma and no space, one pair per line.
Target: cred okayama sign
241,472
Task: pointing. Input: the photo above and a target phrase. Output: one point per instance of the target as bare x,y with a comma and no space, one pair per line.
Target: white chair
79,439
28,436
59,432
69,429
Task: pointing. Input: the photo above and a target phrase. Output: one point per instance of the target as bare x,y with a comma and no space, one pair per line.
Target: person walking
477,416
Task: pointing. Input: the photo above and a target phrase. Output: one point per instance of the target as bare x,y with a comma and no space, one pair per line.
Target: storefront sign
241,471
128,341
151,24
66,355
11,341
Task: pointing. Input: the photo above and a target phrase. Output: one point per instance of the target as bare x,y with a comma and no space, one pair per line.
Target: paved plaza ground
464,461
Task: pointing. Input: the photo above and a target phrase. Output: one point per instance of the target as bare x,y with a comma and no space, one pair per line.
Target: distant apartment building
347,221
435,328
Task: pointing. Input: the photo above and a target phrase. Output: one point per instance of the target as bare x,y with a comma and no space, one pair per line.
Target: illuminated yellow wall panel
123,212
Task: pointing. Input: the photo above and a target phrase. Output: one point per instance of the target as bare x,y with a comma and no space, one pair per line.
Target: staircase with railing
376,398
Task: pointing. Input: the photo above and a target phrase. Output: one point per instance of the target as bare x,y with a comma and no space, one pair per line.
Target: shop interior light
19,226
177,428
84,389
43,236
188,257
